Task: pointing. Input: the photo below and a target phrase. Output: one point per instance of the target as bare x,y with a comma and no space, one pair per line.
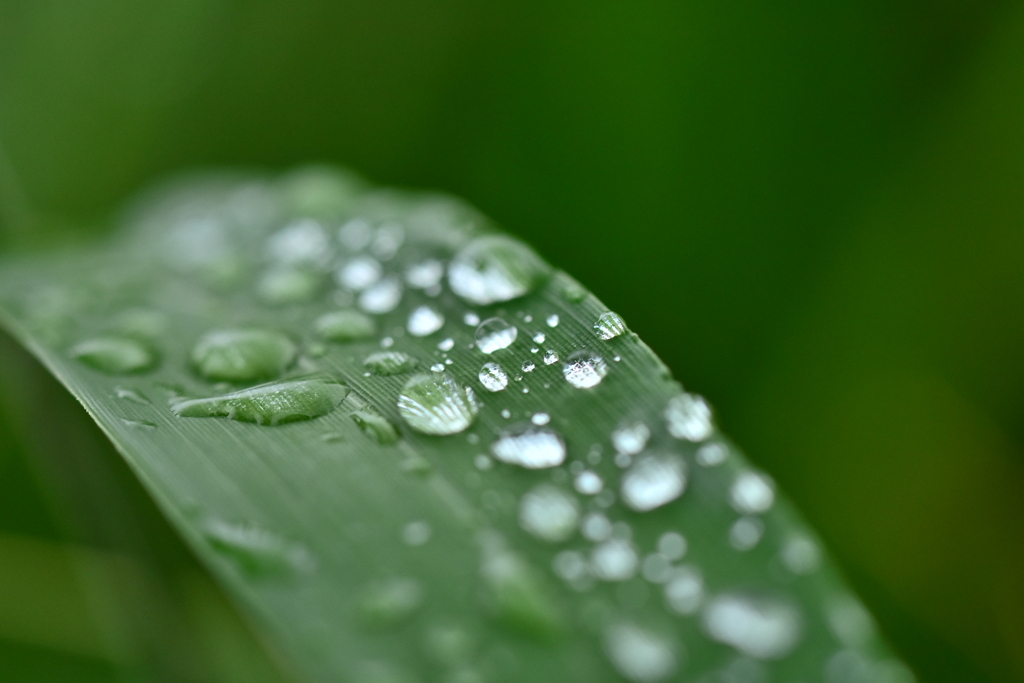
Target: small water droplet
115,355
539,337
436,404
131,396
332,437
446,344
596,527
711,454
482,462
425,274
528,366
389,239
653,481
268,404
751,493
387,343
375,425
382,297
493,377
745,533
495,334
471,318
534,350
242,355
506,413
549,513
571,565
656,568
424,321
688,417
387,363
614,560
631,438
257,552
684,592
345,326
385,604
672,545
553,320
572,291
143,425
550,357
303,241
584,369
588,483
437,367
359,273
540,419
609,326
356,234
495,268
529,446
639,654
763,628
289,285
800,555
416,533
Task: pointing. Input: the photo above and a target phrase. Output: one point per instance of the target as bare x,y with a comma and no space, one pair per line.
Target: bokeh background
814,212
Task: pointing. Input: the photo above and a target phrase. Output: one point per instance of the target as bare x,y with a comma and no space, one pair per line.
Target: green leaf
412,450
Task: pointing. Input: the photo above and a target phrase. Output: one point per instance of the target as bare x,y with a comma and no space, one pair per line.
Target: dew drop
387,342
483,463
382,297
553,320
495,268
684,592
588,483
800,555
345,326
257,552
672,545
751,493
495,334
539,337
528,366
304,241
656,568
242,355
375,426
688,417
389,239
385,604
653,481
131,395
506,413
289,285
359,273
446,344
584,370
711,454
632,438
471,318
425,274
115,355
540,419
609,326
437,404
416,533
143,425
639,654
763,628
424,321
493,377
530,447
596,527
268,404
356,234
570,565
614,560
387,363
437,367
550,357
745,533
549,513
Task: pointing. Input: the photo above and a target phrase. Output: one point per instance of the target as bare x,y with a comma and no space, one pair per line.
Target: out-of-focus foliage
811,210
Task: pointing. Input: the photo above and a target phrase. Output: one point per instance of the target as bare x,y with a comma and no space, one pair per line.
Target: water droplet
506,413
530,447
115,355
416,533
571,565
131,395
614,560
588,483
143,425
849,621
638,654
289,285
242,355
388,603
375,425
553,320
424,274
688,417
684,592
751,493
304,241
437,367
539,337
446,344
550,357
672,545
495,334
436,404
528,366
609,326
482,462
495,268
572,291
390,237
345,326
424,321
653,481
584,370
540,419
711,454
745,533
632,438
656,568
257,552
763,628
356,234
596,527
387,343
382,297
268,404
493,377
387,363
549,513
471,318
800,555
520,598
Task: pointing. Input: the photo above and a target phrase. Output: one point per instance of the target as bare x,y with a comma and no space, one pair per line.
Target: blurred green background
814,212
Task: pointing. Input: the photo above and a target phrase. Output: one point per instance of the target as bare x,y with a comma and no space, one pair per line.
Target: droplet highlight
584,370
495,268
530,446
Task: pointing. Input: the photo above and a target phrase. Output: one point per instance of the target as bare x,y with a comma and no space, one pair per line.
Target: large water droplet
751,493
257,552
653,481
436,404
495,334
614,560
584,369
493,377
345,326
359,273
382,297
424,321
388,603
609,326
631,438
242,355
387,363
115,355
688,417
268,404
761,627
495,268
638,654
549,513
289,285
530,446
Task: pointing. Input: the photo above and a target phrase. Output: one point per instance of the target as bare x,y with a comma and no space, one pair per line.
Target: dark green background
814,212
